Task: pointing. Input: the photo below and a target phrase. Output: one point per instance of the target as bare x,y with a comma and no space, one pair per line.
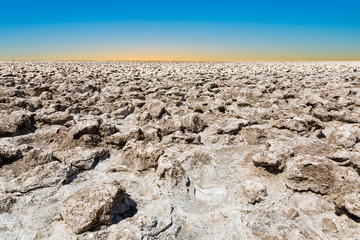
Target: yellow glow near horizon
180,55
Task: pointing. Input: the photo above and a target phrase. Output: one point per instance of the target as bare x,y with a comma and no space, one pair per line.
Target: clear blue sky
180,30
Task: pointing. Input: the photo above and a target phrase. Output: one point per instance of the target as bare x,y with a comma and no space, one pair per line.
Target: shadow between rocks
4,160
20,132
342,211
120,217
272,170
128,214
71,178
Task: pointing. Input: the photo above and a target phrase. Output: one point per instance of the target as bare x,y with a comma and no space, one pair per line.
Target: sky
180,30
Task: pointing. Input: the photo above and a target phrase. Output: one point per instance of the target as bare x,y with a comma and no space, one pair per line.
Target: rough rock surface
94,205
256,192
14,123
179,150
80,158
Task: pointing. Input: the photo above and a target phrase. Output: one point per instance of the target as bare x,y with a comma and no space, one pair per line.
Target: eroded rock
155,108
120,138
142,156
346,136
254,191
13,124
47,175
93,206
310,173
80,158
193,123
352,204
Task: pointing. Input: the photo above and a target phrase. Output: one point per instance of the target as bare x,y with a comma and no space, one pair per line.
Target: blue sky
180,30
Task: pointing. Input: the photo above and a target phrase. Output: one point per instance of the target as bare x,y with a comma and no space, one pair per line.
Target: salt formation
179,150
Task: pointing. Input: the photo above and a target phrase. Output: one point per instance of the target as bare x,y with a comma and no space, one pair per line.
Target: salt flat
179,150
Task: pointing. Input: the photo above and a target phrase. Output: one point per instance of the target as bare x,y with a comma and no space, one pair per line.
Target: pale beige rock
151,135
193,123
270,160
81,158
86,126
254,191
123,112
170,124
47,175
181,138
93,206
155,108
275,157
300,124
33,158
13,124
346,136
310,173
232,126
120,138
141,156
329,226
54,118
352,203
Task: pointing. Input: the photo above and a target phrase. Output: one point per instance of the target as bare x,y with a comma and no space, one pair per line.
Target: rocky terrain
180,150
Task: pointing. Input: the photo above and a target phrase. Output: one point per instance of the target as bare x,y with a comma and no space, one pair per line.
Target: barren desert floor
179,150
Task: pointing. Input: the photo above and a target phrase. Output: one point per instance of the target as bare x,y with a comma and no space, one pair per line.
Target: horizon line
181,60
